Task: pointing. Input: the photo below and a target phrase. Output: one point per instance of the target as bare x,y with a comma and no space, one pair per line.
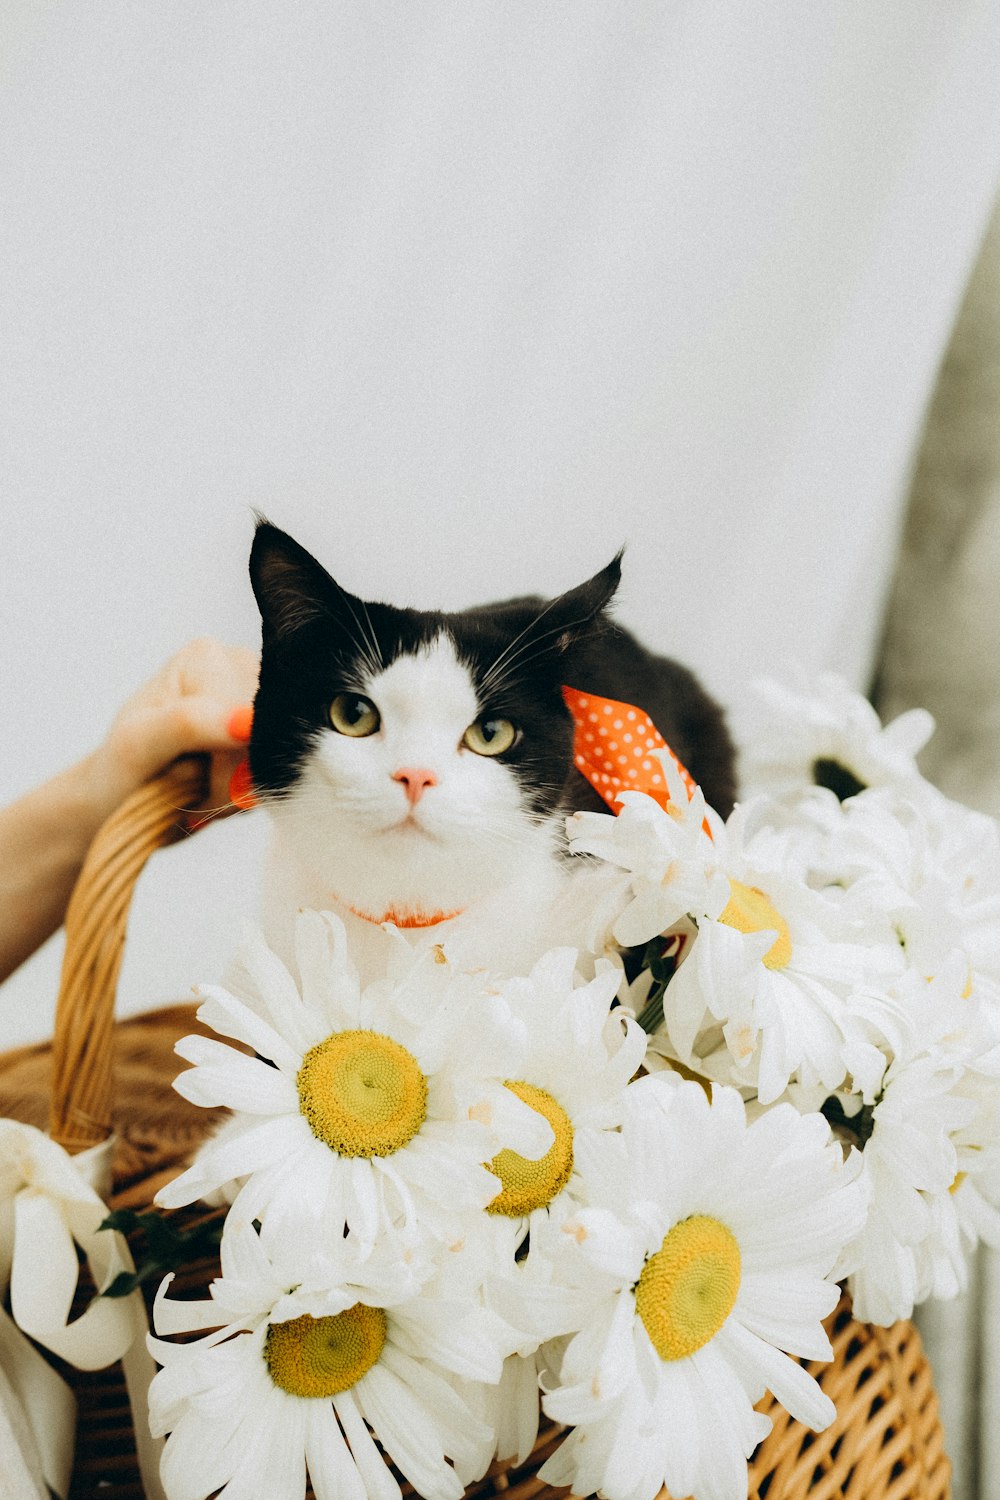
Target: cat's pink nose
414,780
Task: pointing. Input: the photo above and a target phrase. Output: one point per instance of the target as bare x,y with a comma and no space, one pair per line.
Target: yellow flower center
749,910
531,1184
957,1181
324,1356
362,1093
688,1288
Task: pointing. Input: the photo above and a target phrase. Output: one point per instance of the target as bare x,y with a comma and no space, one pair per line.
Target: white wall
463,295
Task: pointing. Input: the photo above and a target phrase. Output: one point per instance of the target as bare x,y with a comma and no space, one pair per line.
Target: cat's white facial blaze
363,839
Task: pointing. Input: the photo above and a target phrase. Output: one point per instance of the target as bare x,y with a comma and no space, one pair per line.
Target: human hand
201,700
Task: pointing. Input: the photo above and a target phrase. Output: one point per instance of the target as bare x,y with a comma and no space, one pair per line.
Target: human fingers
145,739
209,668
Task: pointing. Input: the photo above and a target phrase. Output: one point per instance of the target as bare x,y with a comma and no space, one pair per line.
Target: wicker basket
886,1442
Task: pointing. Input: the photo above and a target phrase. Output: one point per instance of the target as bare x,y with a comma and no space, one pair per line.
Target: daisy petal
223,1076
787,1381
332,1471
378,1482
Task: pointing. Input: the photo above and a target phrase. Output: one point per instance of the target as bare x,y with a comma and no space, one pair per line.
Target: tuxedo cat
418,765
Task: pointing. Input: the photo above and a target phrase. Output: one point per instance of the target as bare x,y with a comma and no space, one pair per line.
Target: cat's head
413,760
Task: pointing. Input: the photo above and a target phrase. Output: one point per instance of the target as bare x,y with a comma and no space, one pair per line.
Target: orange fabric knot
612,748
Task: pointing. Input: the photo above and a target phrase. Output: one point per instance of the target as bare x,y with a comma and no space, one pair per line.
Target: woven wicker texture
886,1443
82,1107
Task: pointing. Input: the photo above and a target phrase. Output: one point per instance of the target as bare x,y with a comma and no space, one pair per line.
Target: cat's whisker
373,638
198,816
519,836
520,659
369,652
488,681
510,657
504,835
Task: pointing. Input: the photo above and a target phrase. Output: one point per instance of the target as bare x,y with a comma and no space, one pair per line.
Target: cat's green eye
351,714
490,736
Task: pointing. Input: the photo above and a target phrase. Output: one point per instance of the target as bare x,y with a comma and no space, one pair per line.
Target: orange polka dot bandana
612,748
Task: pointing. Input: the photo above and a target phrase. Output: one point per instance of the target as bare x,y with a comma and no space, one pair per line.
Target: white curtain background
942,650
463,295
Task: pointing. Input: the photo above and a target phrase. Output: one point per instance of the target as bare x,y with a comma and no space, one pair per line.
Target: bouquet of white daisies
626,1200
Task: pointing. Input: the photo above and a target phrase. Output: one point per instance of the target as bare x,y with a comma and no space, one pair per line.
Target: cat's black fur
318,641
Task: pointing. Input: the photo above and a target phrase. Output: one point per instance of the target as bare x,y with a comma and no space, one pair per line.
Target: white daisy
708,1254
772,970
277,1392
910,1162
670,855
579,1055
818,731
925,1128
382,1104
924,874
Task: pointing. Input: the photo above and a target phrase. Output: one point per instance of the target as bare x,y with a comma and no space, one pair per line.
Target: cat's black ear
578,613
291,587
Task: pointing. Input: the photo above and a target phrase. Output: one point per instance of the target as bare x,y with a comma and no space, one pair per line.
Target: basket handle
81,1108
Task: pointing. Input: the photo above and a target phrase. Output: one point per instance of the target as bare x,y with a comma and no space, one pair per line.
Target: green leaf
124,1283
122,1219
662,966
165,1248
650,1018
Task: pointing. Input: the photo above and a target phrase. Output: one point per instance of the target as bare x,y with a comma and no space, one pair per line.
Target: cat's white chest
503,931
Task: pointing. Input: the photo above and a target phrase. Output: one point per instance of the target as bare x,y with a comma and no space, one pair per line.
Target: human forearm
44,837
199,703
